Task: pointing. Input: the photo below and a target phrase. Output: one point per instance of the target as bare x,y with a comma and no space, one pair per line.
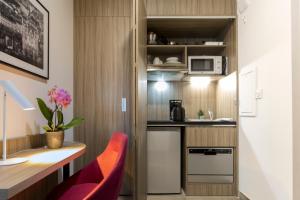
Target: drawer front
210,136
210,189
221,179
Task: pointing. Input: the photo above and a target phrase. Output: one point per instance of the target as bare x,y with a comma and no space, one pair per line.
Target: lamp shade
10,88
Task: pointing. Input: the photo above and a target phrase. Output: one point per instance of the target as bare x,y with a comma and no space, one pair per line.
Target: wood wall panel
226,92
193,98
230,39
102,76
103,8
22,143
140,102
191,7
226,97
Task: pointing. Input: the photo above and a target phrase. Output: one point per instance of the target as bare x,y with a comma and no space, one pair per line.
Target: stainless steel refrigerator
164,160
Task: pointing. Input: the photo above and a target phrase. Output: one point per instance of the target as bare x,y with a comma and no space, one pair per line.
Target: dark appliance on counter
177,112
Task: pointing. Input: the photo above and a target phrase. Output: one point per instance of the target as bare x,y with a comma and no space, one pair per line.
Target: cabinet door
140,88
191,7
102,77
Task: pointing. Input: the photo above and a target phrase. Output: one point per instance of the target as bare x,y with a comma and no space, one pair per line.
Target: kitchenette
192,106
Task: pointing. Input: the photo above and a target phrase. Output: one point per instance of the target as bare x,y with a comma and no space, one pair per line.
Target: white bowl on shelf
173,62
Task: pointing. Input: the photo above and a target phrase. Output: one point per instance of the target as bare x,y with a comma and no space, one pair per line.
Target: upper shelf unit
178,37
165,52
180,51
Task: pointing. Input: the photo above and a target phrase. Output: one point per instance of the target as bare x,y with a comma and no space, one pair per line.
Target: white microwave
211,65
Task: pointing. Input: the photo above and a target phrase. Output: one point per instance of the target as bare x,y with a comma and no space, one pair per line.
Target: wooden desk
42,162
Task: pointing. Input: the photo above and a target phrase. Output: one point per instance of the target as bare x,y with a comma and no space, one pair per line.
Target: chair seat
78,192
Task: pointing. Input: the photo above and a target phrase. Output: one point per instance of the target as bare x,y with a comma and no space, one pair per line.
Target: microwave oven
210,65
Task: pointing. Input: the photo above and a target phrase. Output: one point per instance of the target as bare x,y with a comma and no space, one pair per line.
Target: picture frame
24,36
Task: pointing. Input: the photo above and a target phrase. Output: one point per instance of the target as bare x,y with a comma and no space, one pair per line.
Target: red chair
101,179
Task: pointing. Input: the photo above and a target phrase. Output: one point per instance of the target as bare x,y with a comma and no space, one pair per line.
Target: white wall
266,159
296,95
21,123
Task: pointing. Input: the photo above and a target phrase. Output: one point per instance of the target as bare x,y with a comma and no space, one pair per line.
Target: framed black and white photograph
24,36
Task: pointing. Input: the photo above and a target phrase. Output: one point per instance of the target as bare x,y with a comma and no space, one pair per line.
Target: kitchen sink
209,120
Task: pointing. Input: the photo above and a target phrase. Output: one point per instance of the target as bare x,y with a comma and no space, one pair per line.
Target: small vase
55,140
202,117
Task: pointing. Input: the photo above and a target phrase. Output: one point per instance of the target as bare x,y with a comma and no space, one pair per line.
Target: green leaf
75,122
60,118
47,128
60,127
50,123
46,111
53,127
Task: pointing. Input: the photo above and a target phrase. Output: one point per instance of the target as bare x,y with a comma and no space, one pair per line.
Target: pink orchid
59,96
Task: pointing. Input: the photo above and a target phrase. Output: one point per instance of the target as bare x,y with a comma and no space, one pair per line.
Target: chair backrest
112,163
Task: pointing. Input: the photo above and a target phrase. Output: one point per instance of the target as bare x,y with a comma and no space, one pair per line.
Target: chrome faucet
211,115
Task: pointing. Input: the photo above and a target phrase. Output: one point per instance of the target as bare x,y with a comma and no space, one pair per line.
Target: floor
181,197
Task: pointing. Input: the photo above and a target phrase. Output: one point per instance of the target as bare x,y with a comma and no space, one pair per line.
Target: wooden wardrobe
110,54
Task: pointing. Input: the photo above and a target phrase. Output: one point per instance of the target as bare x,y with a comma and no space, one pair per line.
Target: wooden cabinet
102,77
189,23
189,34
191,7
110,64
139,103
210,136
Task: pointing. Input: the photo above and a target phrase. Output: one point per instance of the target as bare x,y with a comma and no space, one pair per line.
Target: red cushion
78,192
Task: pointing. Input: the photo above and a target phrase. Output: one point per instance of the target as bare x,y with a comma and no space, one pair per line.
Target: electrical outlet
123,104
244,19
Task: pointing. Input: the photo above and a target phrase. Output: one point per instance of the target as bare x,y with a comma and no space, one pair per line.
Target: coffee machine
177,112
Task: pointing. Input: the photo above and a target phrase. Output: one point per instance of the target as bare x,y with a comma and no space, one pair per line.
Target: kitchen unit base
204,180
202,189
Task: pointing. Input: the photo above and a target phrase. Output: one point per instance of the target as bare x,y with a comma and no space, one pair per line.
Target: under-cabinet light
161,86
200,82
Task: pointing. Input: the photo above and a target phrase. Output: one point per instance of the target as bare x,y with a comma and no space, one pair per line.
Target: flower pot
202,117
55,140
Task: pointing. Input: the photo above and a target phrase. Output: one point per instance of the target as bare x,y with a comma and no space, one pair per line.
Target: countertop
191,123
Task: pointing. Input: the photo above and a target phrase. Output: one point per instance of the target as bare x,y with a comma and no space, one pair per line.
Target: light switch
123,104
243,5
259,94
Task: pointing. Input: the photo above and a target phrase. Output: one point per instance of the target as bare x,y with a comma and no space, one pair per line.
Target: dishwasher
210,165
164,160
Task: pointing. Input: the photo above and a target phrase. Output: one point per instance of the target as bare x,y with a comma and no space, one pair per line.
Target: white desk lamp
9,88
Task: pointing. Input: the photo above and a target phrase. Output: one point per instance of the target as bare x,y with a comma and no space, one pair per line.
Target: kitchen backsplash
217,97
193,99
